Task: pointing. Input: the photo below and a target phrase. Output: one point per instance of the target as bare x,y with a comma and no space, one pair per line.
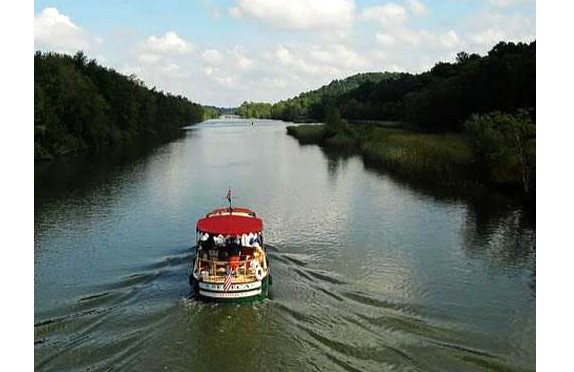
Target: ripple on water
109,326
365,331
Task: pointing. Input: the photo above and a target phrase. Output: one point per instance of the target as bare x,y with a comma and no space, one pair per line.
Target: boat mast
228,197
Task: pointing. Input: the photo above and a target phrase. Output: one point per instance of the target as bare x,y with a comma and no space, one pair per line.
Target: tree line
487,103
438,100
81,106
255,110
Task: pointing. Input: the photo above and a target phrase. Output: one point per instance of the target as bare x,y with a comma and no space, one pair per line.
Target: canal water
369,273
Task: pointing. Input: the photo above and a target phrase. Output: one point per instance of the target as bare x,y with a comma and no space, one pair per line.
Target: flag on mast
228,196
228,280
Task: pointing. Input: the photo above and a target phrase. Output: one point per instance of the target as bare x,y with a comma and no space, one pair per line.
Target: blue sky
229,51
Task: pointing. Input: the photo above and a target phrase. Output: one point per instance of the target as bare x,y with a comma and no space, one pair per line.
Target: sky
224,52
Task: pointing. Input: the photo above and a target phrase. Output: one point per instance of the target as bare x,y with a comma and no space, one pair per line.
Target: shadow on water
499,228
80,174
503,237
491,198
335,162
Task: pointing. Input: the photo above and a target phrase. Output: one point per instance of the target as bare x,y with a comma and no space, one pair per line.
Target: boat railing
219,268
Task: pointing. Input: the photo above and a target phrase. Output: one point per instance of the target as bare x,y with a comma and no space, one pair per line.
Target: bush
505,147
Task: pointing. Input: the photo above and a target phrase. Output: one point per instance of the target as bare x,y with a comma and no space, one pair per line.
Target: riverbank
73,148
444,161
83,107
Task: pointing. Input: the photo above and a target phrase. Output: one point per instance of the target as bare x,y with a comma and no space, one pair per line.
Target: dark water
369,274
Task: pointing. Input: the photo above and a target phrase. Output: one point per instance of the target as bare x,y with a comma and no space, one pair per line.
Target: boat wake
333,322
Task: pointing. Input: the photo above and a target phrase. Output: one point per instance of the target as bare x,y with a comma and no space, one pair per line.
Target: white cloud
386,39
417,7
410,50
164,74
159,61
169,43
404,37
226,68
449,40
272,83
487,37
337,55
507,3
242,62
484,30
321,15
149,58
173,70
227,81
212,56
314,62
212,8
388,15
235,12
294,62
208,70
56,32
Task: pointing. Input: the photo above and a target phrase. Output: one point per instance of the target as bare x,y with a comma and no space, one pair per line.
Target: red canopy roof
230,225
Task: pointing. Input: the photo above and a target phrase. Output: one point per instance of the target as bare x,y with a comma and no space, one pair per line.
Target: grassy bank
496,153
307,134
444,160
439,159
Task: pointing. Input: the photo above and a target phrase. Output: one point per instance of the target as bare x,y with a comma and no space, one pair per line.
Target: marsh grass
444,159
307,134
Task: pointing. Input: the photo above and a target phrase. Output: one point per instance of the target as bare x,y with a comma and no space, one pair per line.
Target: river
369,273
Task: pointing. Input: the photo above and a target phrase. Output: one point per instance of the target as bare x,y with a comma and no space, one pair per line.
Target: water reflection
505,237
498,228
370,272
80,174
335,162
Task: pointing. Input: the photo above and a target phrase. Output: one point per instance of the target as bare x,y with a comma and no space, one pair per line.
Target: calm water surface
369,273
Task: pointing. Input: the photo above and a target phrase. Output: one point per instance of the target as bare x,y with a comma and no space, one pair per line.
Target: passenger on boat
248,240
219,240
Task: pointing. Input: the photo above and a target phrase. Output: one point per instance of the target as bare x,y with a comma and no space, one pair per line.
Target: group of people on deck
230,247
244,240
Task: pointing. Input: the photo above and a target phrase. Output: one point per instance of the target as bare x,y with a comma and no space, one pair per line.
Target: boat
230,262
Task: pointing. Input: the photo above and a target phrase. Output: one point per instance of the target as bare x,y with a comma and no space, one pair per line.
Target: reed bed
444,159
307,134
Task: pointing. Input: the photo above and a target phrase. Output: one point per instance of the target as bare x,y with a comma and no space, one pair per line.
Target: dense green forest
213,112
310,105
82,106
313,105
255,110
464,124
441,99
